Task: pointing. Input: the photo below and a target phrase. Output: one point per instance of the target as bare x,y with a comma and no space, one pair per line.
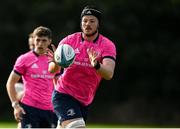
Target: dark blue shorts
66,107
37,118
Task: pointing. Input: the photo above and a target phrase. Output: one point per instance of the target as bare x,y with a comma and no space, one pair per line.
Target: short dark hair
42,31
91,10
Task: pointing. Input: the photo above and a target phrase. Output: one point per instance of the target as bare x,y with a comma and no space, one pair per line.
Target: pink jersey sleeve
109,49
20,64
68,40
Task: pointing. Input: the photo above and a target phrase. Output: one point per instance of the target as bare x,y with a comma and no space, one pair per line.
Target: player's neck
39,52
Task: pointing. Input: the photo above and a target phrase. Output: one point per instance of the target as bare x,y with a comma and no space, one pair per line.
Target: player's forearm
106,69
11,91
105,72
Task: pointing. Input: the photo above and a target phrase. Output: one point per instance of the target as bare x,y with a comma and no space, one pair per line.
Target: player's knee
79,123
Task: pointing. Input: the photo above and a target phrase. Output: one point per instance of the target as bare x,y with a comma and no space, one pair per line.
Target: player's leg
74,123
80,122
19,125
58,125
68,110
48,119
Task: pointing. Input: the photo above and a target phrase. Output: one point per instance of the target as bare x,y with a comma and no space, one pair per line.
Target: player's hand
53,47
92,56
50,53
18,112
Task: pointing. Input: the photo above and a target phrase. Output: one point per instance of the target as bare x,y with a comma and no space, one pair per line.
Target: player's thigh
49,120
66,107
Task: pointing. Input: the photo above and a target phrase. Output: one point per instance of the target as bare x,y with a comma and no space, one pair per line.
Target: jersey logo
34,66
77,51
70,112
89,12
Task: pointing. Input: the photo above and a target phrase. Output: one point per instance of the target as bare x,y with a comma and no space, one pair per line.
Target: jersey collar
35,53
94,41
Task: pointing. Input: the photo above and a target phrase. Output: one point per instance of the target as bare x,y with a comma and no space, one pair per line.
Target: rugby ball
64,55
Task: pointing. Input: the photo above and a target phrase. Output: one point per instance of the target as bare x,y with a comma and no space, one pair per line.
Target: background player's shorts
37,118
66,107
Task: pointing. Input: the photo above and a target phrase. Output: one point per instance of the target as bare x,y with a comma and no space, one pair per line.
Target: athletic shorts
38,118
66,107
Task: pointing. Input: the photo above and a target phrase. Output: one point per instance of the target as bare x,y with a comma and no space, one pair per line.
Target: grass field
14,125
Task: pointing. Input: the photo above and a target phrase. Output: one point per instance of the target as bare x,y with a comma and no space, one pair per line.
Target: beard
90,34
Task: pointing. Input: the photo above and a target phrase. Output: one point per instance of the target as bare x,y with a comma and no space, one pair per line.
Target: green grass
14,125
8,124
119,126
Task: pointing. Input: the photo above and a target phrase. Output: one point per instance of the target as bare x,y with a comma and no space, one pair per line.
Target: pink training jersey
81,80
38,82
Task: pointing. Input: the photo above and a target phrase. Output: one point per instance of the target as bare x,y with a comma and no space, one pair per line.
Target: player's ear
50,41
